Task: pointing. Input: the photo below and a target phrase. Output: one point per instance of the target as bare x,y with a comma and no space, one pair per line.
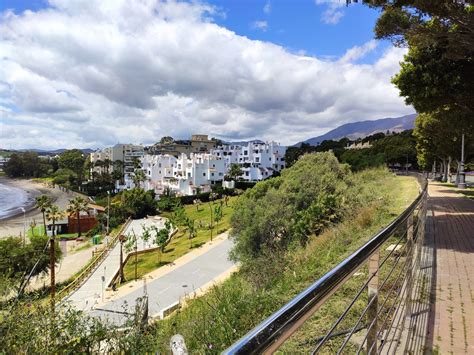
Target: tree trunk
78,223
44,223
443,170
448,169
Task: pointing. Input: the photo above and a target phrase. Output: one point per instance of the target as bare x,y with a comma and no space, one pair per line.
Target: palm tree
54,214
119,166
138,177
43,203
107,164
99,164
76,206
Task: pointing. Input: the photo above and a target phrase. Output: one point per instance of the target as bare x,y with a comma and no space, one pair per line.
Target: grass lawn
39,230
180,244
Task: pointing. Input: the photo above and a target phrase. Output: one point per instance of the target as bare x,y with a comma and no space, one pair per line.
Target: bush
281,211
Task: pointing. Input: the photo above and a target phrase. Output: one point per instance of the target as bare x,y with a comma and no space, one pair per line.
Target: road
90,292
171,287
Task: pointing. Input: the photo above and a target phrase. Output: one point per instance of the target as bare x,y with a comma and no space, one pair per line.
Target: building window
246,173
212,174
282,166
220,174
257,160
269,158
203,174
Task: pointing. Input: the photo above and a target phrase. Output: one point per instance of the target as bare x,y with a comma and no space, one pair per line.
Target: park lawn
39,230
180,243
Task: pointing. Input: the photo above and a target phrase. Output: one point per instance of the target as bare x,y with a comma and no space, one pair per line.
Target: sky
90,74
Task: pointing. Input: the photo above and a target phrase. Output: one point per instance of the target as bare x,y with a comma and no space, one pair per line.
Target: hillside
365,128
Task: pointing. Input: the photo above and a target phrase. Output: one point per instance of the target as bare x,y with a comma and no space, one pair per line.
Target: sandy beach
14,225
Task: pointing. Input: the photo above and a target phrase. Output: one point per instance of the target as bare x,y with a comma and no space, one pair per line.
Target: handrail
274,330
92,266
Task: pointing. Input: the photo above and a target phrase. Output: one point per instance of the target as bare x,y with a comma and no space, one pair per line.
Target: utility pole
108,212
462,175
52,264
122,239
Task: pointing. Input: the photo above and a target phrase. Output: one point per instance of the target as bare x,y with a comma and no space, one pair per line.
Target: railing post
410,264
373,294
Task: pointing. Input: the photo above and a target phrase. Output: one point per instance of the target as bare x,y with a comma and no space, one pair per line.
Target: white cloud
333,12
358,52
260,25
90,75
267,8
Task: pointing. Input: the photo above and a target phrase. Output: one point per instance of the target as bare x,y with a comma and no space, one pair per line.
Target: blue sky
294,24
98,72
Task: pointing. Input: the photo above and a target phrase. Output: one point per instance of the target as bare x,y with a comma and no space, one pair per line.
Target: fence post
410,264
373,292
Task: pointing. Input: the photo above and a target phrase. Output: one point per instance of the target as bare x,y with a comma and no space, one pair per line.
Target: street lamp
462,175
24,224
108,212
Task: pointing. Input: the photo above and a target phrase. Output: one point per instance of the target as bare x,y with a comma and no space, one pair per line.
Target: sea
11,200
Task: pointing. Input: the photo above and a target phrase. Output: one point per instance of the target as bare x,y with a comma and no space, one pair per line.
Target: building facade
258,160
183,175
127,153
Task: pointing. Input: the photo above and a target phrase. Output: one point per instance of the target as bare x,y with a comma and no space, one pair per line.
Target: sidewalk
451,232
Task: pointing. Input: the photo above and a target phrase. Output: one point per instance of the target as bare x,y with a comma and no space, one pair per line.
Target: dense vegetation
396,149
344,209
437,74
20,260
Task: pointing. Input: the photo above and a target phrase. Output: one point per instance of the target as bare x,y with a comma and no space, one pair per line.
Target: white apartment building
183,175
258,160
124,152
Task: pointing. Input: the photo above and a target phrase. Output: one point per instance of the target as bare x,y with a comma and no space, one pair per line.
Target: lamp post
108,212
24,224
462,175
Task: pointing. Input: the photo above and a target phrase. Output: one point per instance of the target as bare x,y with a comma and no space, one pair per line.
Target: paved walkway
90,293
196,272
451,232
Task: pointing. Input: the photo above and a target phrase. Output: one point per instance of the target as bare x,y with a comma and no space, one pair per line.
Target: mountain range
365,128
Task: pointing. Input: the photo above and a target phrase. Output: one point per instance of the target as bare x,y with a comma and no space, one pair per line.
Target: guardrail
384,298
92,266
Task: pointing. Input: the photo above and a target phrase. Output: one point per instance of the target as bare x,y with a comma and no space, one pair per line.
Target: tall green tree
235,171
76,206
73,160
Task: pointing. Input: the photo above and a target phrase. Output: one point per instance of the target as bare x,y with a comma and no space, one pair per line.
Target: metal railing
77,282
379,306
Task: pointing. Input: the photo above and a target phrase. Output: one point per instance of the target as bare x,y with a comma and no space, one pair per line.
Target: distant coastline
16,194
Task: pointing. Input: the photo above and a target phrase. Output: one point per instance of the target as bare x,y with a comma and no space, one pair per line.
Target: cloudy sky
84,73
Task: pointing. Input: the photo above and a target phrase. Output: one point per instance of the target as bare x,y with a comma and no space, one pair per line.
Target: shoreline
16,223
31,191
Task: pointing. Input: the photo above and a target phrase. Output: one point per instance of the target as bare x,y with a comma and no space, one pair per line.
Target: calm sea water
11,199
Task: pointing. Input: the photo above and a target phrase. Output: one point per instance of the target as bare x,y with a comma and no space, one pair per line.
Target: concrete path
170,287
451,232
90,293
